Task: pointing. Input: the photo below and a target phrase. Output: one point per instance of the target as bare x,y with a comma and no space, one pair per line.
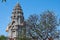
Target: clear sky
29,7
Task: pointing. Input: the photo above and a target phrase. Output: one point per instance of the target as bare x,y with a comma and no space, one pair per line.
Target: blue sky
29,7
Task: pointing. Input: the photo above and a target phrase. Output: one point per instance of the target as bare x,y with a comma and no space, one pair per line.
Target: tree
3,0
2,37
43,26
48,21
31,24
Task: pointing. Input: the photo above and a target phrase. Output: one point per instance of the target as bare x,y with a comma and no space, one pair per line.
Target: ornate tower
16,27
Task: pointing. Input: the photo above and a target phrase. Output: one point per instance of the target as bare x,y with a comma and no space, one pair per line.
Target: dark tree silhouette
3,0
43,26
48,21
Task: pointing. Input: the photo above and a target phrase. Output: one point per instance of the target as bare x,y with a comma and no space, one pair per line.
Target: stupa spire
17,8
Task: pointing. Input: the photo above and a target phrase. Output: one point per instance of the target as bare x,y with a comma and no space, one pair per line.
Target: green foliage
24,38
2,37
